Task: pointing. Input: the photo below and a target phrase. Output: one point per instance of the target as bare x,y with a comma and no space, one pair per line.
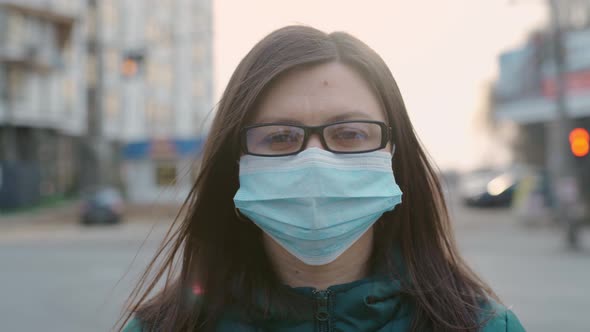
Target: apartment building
158,101
42,113
102,92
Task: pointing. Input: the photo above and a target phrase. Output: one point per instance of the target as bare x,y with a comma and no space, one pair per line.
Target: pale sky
442,54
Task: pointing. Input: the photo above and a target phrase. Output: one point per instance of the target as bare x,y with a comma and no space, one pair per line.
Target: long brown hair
226,255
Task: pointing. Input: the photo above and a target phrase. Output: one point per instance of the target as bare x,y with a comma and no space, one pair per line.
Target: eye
348,134
353,136
282,140
274,139
281,137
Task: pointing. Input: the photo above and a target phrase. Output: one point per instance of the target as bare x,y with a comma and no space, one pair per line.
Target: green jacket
364,305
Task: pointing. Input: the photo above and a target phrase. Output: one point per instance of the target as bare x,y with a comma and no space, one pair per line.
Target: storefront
160,171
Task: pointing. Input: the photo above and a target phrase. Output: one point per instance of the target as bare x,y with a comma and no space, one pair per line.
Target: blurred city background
105,105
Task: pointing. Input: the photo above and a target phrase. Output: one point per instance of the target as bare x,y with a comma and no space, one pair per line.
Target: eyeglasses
279,139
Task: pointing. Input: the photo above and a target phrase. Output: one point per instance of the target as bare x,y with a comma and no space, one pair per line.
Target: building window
68,6
69,91
110,13
112,105
112,61
15,29
153,31
150,108
159,118
91,17
199,52
199,88
16,84
166,175
160,75
3,26
3,84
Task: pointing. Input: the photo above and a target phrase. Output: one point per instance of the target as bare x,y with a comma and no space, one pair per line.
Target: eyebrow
352,115
356,115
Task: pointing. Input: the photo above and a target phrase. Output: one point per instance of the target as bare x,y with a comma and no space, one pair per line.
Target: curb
68,214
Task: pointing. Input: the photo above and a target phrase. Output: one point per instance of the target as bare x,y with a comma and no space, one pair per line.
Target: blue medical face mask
317,204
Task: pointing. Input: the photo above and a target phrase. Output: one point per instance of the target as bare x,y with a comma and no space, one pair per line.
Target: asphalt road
64,278
530,268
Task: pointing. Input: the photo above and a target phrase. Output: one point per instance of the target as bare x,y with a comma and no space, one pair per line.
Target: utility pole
564,182
94,171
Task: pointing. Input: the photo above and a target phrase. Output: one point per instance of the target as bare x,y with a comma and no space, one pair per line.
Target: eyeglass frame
386,135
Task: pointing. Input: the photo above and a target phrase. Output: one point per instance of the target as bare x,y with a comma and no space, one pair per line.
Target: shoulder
498,318
138,322
134,325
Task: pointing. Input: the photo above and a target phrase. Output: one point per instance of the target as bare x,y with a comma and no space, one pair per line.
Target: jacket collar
363,305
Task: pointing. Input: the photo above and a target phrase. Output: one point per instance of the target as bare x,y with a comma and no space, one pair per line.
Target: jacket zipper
322,314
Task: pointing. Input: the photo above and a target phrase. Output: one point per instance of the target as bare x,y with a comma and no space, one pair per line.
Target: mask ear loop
381,220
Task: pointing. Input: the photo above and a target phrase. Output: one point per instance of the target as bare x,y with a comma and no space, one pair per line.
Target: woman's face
314,96
319,95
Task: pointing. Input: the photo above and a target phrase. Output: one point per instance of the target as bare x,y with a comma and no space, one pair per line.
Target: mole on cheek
325,83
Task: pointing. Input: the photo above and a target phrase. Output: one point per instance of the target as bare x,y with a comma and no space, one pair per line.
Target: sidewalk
67,213
61,213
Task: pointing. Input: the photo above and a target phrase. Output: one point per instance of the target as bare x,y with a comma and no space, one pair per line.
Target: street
529,268
65,278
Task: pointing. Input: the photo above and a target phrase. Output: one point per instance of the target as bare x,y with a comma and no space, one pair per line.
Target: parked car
102,206
488,189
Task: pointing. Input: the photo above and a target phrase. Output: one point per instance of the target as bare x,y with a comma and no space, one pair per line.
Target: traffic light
579,142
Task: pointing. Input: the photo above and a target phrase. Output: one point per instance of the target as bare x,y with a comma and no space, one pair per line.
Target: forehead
317,95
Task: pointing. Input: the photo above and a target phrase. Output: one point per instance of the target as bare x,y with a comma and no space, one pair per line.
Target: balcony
26,57
45,10
32,37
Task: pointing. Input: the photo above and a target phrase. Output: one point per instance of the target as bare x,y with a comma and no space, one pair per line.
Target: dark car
487,189
102,206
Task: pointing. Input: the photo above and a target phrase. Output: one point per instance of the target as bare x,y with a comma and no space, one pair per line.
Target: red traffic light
579,142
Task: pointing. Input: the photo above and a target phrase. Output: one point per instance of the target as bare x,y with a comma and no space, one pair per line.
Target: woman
296,222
